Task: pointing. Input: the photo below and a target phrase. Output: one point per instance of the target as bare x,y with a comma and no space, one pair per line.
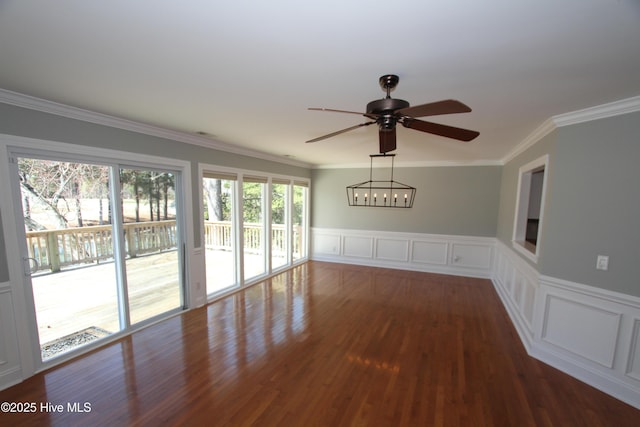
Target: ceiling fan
387,112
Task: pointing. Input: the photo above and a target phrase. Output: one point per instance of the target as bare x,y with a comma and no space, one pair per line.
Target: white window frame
525,173
270,177
26,329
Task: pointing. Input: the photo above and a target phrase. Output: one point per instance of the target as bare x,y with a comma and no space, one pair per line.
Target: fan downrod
387,106
388,82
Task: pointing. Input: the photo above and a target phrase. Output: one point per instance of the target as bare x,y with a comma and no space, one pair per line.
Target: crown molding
540,132
425,164
616,108
50,107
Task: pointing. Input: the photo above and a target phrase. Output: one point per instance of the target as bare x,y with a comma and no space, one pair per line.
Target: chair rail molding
587,332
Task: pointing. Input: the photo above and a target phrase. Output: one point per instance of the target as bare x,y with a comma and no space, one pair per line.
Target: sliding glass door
279,221
102,246
152,255
219,231
67,219
253,225
300,228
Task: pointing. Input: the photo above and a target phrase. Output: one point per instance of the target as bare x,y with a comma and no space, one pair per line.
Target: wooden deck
75,299
324,345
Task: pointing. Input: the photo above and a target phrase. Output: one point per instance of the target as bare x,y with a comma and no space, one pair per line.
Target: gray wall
594,208
592,202
449,200
34,124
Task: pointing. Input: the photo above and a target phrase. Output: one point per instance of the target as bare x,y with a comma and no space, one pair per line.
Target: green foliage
252,197
298,204
278,201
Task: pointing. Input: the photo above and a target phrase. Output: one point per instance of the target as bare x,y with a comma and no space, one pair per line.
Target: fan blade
447,106
331,110
339,132
442,130
387,140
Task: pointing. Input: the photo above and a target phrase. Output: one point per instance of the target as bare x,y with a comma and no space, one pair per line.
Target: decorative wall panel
459,255
582,329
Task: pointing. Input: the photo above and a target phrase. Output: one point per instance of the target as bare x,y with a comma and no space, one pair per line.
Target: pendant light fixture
381,194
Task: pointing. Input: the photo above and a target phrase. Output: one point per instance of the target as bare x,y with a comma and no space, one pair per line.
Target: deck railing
218,236
54,249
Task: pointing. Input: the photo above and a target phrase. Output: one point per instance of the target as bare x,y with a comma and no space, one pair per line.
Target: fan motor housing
386,106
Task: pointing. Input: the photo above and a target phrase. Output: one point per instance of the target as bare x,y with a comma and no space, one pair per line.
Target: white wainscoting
10,366
517,284
435,253
197,278
587,332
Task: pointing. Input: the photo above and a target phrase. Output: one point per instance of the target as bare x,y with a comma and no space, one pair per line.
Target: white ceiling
245,72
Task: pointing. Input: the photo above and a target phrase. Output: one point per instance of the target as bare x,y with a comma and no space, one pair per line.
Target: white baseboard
433,253
587,332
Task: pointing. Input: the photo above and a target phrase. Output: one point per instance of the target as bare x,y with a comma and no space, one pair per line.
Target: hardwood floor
324,345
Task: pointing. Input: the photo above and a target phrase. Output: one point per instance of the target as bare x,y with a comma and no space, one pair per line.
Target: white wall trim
434,253
516,283
523,206
24,327
540,132
45,106
600,293
616,108
413,164
10,364
590,333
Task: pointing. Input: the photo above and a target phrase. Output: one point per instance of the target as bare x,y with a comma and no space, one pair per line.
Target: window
300,194
219,231
530,207
279,217
253,225
103,241
149,213
253,230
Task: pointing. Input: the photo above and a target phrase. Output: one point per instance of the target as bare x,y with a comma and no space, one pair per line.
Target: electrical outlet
602,263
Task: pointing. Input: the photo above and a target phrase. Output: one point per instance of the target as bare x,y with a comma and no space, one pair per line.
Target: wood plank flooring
324,345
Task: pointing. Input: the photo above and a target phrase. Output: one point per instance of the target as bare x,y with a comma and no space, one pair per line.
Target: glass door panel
69,238
219,233
152,248
299,222
253,193
279,207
